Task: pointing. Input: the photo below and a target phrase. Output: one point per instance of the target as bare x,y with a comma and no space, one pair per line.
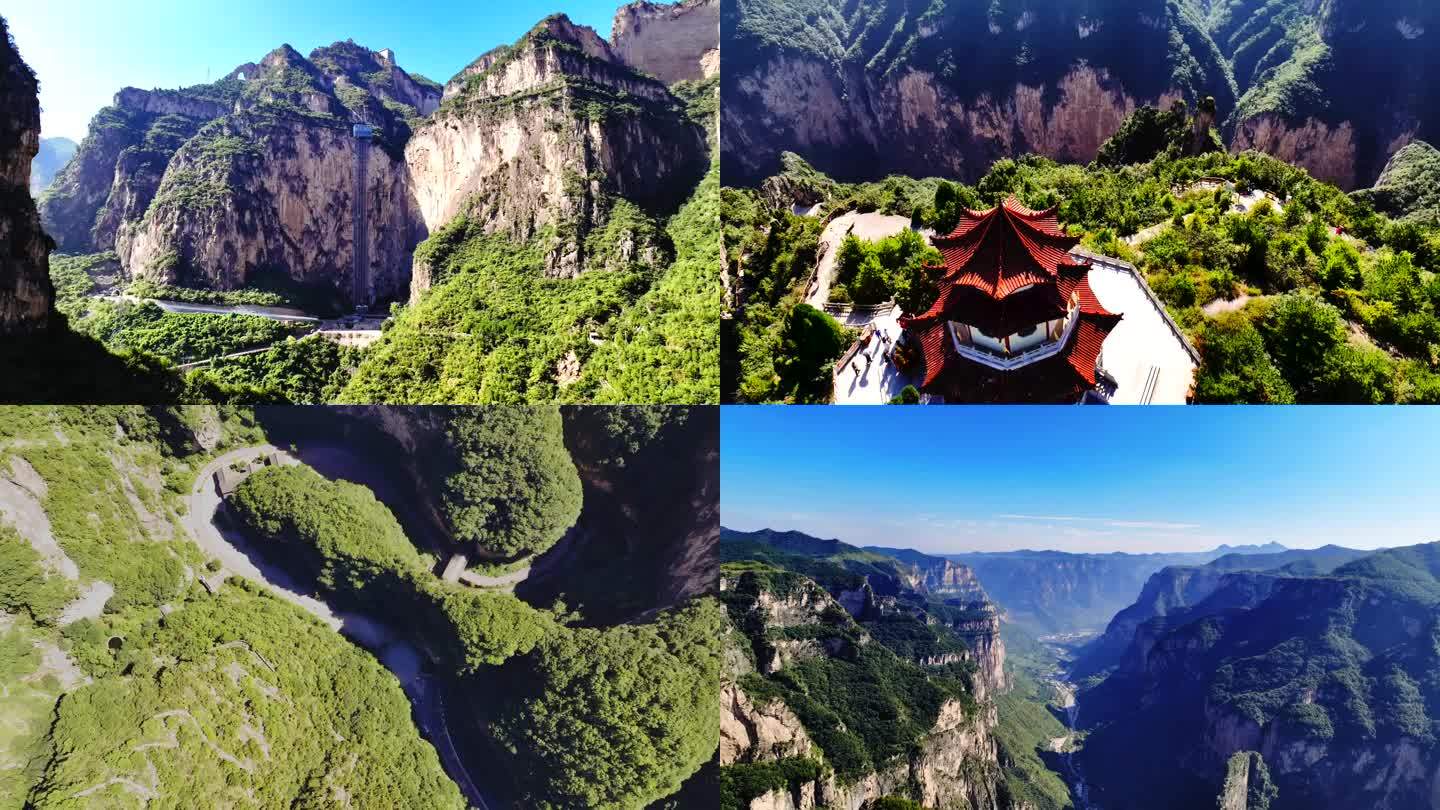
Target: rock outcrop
1337,87
981,633
758,732
1247,783
956,764
673,42
1258,667
253,176
539,140
27,299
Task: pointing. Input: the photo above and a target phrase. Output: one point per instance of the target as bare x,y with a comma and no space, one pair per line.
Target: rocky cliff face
255,175
27,299
1336,86
539,139
1346,85
956,764
947,91
673,42
913,124
758,732
981,633
1247,783
783,618
937,576
118,167
1324,677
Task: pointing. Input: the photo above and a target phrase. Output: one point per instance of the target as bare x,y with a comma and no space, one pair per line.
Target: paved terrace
1146,354
864,375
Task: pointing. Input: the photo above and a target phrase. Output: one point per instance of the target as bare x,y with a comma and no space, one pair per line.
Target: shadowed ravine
402,658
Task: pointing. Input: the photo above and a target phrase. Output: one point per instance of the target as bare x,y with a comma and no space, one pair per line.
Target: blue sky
1089,479
85,50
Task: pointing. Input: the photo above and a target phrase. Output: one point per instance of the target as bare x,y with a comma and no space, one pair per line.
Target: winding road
398,655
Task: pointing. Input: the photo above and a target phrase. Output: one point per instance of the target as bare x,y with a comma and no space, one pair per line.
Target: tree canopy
510,486
616,718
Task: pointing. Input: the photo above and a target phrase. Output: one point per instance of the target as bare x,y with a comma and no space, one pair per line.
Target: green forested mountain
575,264
1174,589
305,647
1321,675
1409,188
882,86
839,659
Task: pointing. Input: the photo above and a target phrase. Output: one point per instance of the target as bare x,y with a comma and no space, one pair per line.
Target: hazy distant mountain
53,155
1059,592
1173,590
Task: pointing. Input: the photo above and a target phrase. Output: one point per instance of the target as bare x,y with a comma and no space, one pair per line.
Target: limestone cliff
27,299
782,619
980,630
872,87
752,731
884,86
540,140
118,167
253,176
1247,783
913,125
673,42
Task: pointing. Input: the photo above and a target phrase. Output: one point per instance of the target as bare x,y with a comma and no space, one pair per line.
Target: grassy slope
112,503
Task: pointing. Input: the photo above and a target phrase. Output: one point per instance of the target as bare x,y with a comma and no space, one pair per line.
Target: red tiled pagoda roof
1007,270
1000,251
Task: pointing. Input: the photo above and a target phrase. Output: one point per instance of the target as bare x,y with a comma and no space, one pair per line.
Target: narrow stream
1066,693
1079,789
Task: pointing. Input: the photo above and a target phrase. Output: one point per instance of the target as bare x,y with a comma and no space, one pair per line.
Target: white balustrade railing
1014,361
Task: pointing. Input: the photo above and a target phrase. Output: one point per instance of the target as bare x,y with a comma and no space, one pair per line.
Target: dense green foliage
508,485
744,781
777,251
1149,133
617,717
338,535
863,712
903,267
232,698
243,699
666,347
494,328
308,371
1343,301
25,585
177,336
1409,188
335,531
